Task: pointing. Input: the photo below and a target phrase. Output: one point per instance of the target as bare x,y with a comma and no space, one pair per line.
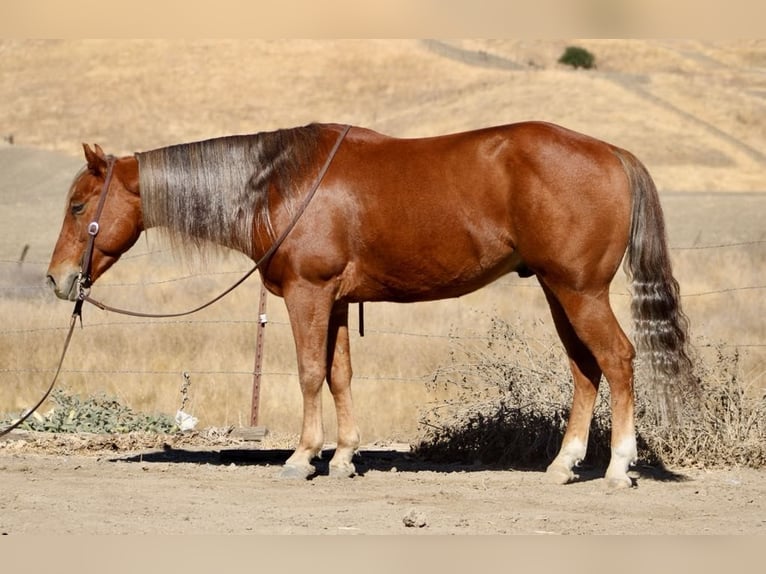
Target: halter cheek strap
85,280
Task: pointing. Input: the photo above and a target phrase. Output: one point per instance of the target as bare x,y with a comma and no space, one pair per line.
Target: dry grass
154,93
725,427
671,102
513,402
140,362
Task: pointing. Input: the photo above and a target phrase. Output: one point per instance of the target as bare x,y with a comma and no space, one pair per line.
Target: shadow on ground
371,460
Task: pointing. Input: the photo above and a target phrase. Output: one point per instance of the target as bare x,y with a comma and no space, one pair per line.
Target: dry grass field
692,110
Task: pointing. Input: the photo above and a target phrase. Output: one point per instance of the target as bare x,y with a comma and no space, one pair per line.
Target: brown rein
84,281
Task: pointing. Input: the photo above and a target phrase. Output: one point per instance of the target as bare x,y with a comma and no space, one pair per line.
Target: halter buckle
83,286
93,228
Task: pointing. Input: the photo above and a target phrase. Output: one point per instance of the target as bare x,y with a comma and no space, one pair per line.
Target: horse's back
490,167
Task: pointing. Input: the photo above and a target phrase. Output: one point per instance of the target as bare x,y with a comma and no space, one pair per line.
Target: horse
407,220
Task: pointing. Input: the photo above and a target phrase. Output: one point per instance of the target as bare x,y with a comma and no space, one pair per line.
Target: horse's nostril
50,281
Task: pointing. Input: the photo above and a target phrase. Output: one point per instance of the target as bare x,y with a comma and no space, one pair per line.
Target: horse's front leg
309,310
339,379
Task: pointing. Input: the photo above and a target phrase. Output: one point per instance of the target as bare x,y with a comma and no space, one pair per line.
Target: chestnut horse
409,220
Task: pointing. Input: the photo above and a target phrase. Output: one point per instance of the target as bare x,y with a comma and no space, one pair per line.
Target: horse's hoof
618,482
345,470
559,475
293,471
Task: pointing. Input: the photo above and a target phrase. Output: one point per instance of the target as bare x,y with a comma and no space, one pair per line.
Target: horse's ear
96,159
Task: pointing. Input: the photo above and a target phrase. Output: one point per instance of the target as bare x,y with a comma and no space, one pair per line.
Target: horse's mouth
66,289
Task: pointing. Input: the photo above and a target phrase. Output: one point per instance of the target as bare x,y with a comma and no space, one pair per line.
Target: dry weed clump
725,426
514,398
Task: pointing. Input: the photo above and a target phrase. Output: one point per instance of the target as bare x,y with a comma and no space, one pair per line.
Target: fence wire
10,333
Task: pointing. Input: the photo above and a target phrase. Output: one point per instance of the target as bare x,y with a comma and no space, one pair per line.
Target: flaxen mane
215,191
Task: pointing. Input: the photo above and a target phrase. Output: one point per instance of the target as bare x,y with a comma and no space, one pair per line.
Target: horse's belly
431,279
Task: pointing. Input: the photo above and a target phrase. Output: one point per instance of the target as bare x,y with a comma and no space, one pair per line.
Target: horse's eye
77,208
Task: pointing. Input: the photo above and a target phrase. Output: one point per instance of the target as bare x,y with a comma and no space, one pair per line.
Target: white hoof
343,470
623,456
559,474
618,482
560,470
297,471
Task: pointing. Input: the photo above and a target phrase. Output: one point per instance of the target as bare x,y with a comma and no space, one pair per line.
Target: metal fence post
258,367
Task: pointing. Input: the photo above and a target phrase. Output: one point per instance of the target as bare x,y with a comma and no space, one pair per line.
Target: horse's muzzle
65,289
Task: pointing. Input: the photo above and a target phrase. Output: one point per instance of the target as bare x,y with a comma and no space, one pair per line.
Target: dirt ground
150,485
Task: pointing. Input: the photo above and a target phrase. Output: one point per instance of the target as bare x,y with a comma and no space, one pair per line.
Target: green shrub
578,58
72,414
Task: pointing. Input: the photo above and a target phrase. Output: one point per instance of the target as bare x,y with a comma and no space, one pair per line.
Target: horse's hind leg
339,380
595,325
587,376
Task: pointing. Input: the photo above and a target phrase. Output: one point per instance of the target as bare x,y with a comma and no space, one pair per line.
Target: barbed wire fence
11,291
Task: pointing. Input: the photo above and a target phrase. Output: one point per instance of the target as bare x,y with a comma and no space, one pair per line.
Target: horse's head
119,224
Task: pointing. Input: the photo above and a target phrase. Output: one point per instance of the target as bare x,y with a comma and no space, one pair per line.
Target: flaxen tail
660,326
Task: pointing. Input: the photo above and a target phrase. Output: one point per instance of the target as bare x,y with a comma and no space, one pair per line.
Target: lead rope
85,281
25,416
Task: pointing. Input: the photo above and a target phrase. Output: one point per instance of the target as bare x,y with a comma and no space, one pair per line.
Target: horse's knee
311,378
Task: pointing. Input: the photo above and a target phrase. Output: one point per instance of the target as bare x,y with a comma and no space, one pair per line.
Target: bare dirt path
234,489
